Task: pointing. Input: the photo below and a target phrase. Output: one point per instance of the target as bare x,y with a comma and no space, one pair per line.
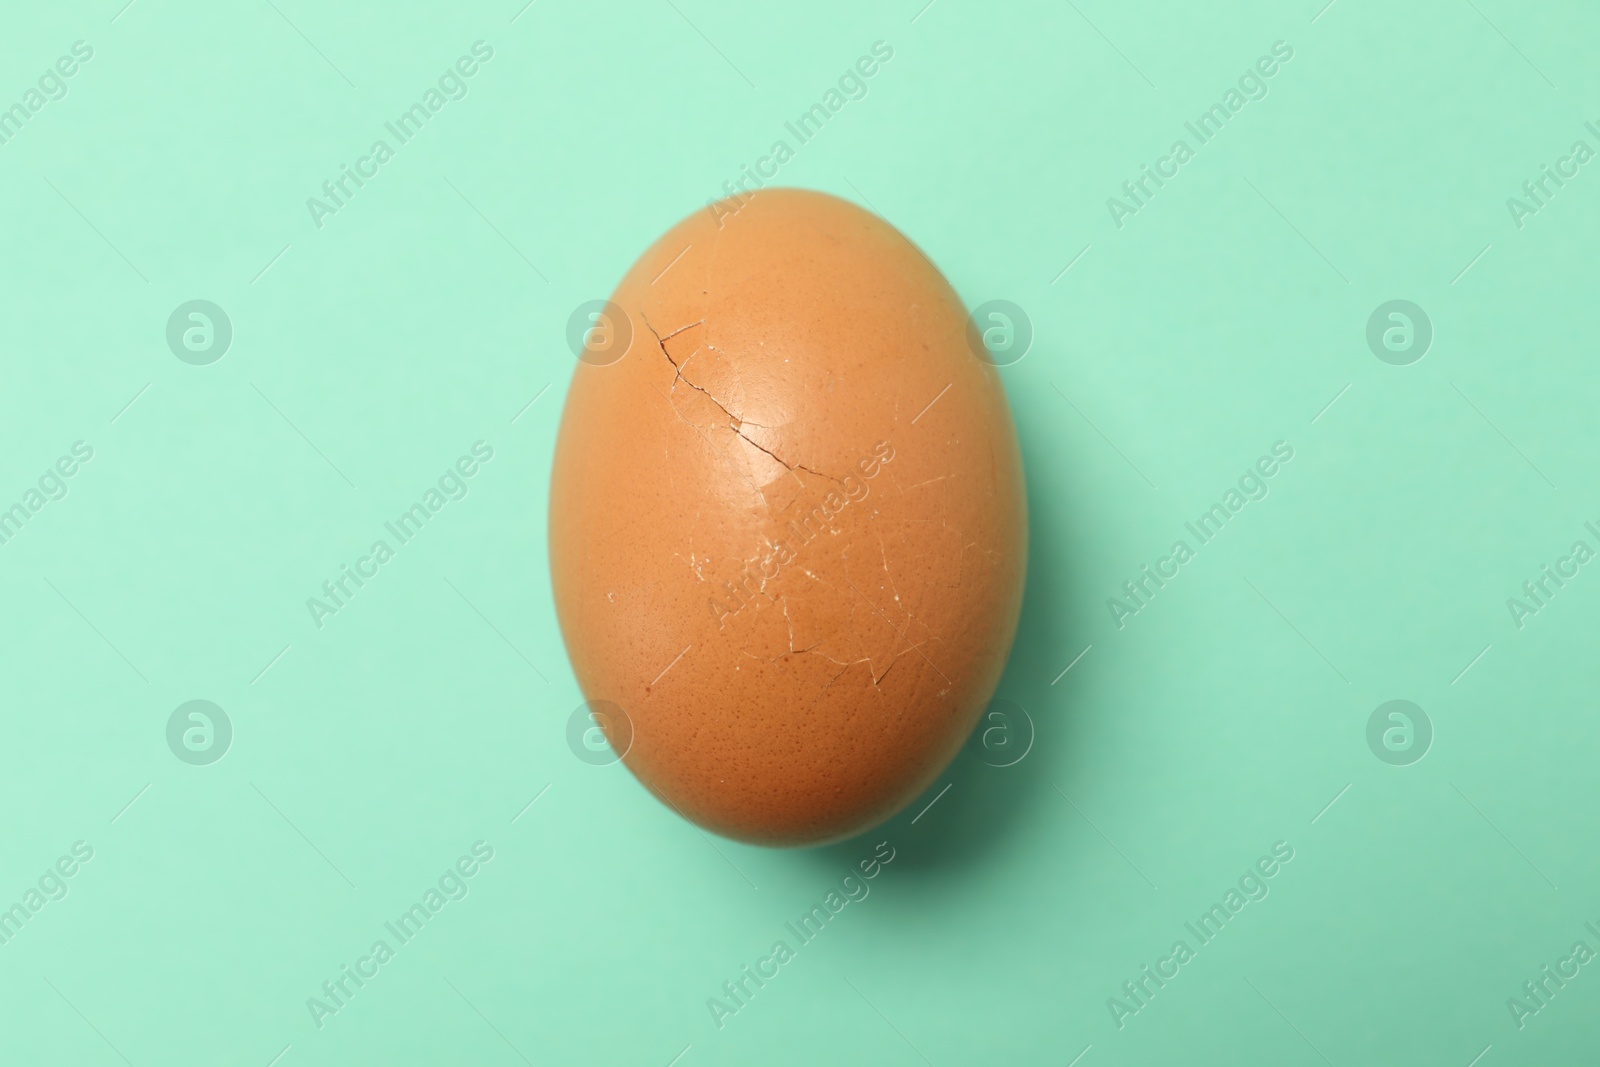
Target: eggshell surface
788,529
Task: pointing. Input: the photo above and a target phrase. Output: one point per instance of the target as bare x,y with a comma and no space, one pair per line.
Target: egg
788,529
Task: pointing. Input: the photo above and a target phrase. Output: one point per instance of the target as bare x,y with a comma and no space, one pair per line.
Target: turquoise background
1230,312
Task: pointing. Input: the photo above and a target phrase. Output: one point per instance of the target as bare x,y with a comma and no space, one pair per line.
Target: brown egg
788,532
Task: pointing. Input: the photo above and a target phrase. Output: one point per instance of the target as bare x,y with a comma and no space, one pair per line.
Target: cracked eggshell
788,531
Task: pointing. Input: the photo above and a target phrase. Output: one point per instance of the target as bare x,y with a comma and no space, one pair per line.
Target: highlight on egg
788,529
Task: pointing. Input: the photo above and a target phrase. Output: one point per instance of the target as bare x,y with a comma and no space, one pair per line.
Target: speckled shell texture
788,530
